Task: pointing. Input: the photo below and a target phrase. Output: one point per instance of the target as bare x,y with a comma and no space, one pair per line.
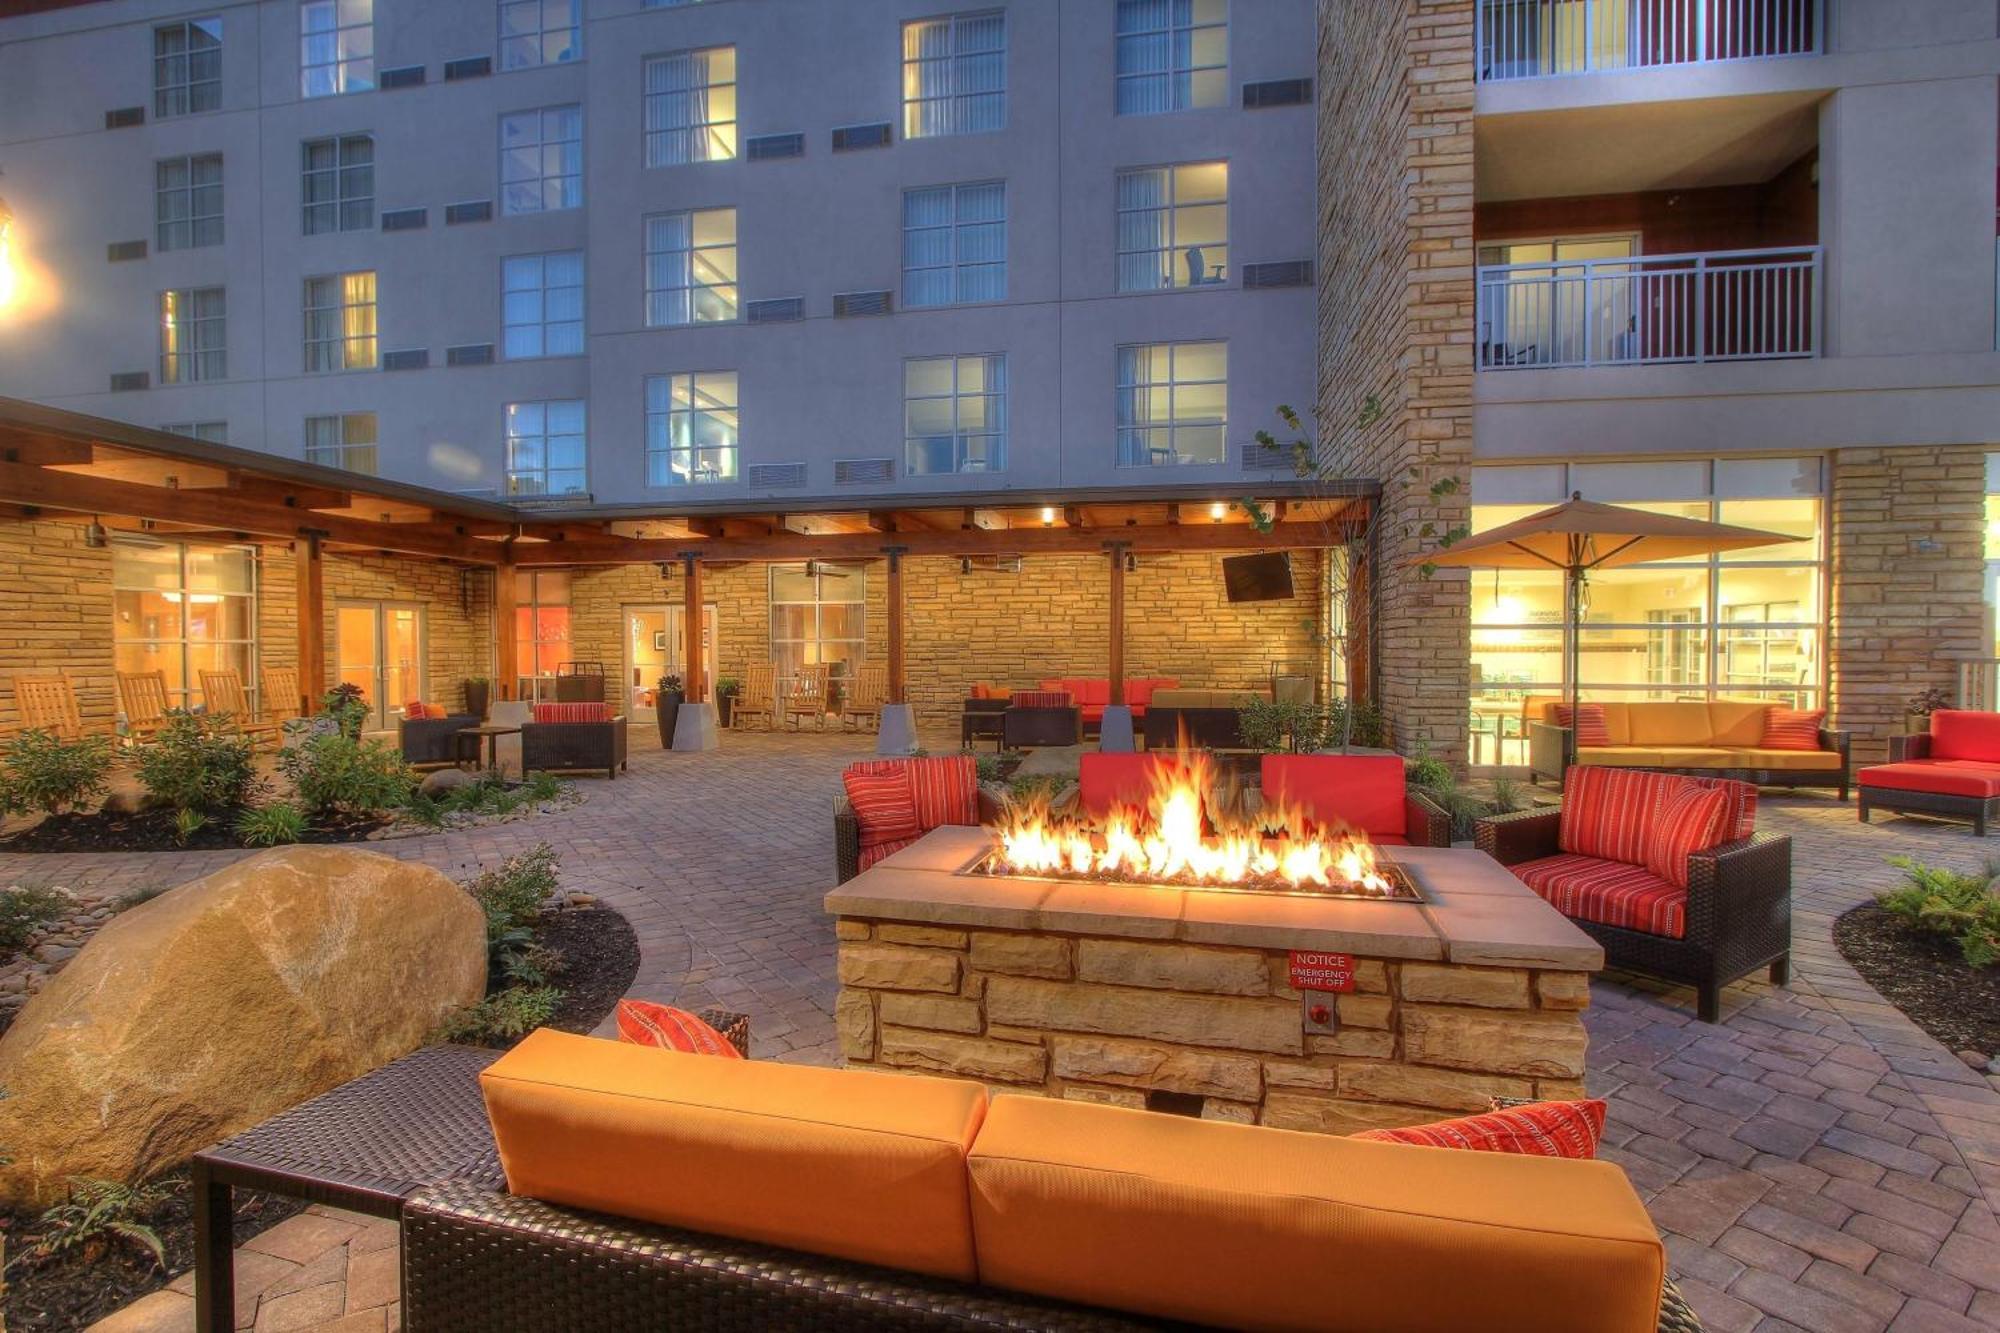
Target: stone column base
695,729
1114,731
897,733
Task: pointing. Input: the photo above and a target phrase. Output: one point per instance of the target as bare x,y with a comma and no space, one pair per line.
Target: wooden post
310,570
1117,550
506,648
898,681
694,683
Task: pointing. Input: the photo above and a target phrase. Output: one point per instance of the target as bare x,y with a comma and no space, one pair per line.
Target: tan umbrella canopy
1580,535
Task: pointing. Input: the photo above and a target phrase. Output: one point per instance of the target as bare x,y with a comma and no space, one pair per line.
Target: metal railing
1725,305
1979,683
1534,39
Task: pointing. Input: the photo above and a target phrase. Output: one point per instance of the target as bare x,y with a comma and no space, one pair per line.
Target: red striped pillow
583,712
1793,728
1606,811
643,1023
1591,727
943,787
1689,819
1040,699
1539,1129
884,803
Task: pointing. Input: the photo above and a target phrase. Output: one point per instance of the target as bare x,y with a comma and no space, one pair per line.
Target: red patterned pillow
578,712
884,803
1793,728
1689,819
1591,727
944,787
416,711
1539,1129
1040,699
1607,811
643,1023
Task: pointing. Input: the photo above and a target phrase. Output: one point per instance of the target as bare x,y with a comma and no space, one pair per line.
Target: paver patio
1815,1160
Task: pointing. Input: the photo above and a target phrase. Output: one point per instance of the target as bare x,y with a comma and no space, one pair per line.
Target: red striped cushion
884,804
1605,811
1793,728
1741,806
1689,820
1607,892
944,787
1040,699
1539,1129
1591,726
416,711
590,712
644,1023
870,855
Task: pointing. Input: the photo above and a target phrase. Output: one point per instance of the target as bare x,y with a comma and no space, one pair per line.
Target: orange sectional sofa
1092,694
1717,738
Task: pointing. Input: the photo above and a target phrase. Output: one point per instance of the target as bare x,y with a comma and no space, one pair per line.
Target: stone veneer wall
1900,615
1396,325
1106,1019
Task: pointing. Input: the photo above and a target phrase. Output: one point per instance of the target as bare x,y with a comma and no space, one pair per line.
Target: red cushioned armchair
1363,791
945,790
1953,771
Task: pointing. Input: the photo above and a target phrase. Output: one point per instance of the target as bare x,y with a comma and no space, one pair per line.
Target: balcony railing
1726,305
1533,39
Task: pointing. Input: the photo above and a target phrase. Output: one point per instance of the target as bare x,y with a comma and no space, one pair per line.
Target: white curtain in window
982,242
669,246
927,247
1145,231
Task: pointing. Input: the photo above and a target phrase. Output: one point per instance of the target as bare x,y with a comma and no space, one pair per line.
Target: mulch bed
153,831
600,959
1923,975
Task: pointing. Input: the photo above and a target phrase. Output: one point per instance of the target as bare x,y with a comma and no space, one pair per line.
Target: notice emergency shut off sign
1322,971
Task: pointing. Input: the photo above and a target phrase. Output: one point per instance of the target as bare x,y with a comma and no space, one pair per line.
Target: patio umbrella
1580,535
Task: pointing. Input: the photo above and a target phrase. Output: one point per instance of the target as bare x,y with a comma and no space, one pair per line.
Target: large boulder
222,1003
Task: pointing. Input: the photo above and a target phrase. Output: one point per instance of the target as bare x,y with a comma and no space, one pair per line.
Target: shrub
348,707
44,772
503,1015
25,911
1507,795
96,1214
340,774
985,767
1365,730
543,786
1951,903
270,825
194,764
512,893
1431,773
187,823
1271,726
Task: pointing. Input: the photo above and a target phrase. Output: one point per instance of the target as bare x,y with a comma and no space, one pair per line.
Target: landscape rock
1973,1059
444,780
225,1001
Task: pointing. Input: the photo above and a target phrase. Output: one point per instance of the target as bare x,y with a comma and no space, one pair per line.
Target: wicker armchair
847,832
574,747
1739,908
432,741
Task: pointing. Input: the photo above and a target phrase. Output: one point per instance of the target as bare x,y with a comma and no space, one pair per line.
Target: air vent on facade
414,358
777,310
408,76
124,118
125,381
1277,92
1258,458
469,354
119,251
1285,273
406,219
860,303
863,471
849,137
766,146
777,476
476,210
472,67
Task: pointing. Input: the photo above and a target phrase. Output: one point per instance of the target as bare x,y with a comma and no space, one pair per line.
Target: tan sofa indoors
1703,737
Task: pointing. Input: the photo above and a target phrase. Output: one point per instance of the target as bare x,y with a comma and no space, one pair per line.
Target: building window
955,75
214,432
181,610
1745,624
691,427
1173,227
1173,55
187,202
817,615
347,440
691,107
339,180
1172,403
193,341
955,244
954,414
340,322
336,47
187,67
541,629
546,448
542,305
541,160
691,267
540,32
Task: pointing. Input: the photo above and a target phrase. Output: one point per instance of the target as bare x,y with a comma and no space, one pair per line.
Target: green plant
187,823
1352,723
340,774
25,911
669,683
96,1214
195,764
1034,786
1431,773
347,705
543,786
1271,726
503,1015
1951,903
125,902
270,825
44,772
424,809
532,965
512,893
728,686
1507,795
986,767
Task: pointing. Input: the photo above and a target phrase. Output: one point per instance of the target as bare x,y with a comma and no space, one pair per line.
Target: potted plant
726,691
478,694
1917,712
667,708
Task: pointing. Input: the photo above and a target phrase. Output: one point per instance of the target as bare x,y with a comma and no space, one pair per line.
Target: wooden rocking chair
758,697
47,703
807,697
224,694
282,700
867,690
143,697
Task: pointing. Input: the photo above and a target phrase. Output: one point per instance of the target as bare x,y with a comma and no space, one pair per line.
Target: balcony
1535,39
1722,305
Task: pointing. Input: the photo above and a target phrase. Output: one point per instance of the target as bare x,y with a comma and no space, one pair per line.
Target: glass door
656,645
379,648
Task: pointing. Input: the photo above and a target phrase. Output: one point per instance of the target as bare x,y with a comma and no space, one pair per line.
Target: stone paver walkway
1814,1161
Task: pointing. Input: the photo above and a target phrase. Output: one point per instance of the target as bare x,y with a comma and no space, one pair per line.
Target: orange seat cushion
1960,733
843,1162
1245,1227
1949,778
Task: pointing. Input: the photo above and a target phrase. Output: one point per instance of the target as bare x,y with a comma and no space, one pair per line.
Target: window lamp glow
1217,510
1048,515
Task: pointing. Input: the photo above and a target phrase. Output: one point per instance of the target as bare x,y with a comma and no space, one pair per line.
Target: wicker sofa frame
981,720
1552,752
1205,728
429,741
1023,726
573,747
1739,908
1980,810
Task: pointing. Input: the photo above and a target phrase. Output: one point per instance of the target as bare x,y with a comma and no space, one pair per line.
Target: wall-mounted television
1263,577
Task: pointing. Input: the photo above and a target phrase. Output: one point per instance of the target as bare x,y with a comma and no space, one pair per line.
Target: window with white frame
1172,403
691,107
691,427
340,322
1173,55
187,202
955,75
541,160
547,448
955,244
345,440
336,47
1173,226
819,614
954,414
541,301
214,432
691,267
338,178
193,335
187,68
181,609
540,32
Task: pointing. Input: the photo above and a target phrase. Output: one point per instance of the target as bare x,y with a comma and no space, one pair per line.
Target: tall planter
667,710
478,695
724,705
